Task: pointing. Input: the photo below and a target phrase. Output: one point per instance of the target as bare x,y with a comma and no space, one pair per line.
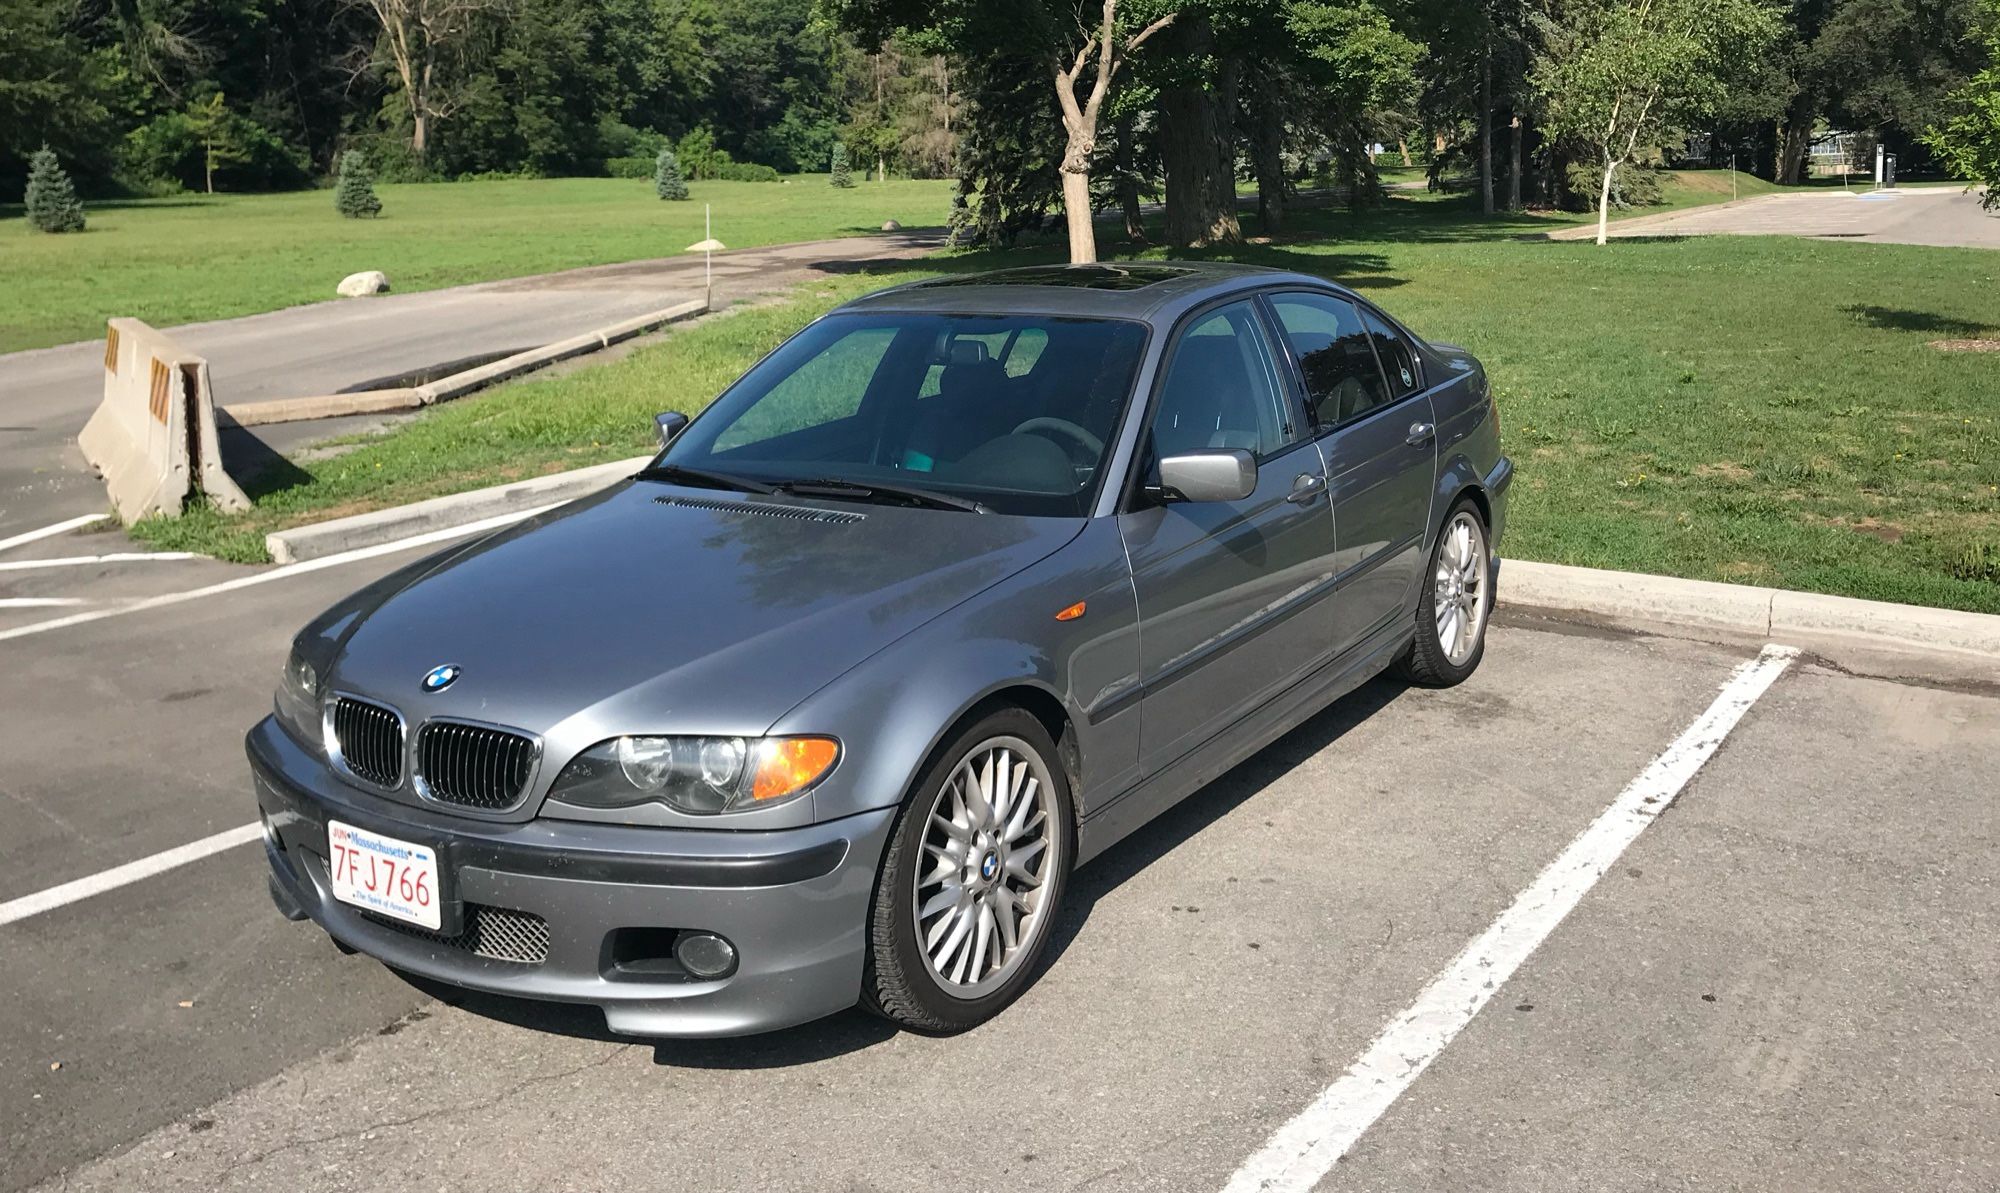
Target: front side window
1015,412
1222,390
1331,344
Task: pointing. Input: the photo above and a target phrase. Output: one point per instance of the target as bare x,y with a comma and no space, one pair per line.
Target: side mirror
1209,476
669,425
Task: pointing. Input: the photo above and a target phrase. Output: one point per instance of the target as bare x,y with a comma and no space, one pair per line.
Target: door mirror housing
1208,476
669,424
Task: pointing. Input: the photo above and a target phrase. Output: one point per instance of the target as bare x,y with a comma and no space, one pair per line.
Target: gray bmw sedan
960,585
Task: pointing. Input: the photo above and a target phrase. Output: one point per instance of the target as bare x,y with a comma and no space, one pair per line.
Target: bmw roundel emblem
441,677
989,866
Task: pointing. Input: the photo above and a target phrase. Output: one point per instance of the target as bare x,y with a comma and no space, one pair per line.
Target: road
1945,216
46,395
1783,982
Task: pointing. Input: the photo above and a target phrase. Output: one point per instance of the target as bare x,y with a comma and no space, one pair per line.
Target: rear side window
1327,336
1399,364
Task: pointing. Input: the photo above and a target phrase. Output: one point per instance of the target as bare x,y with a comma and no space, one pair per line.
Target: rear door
1375,429
1232,595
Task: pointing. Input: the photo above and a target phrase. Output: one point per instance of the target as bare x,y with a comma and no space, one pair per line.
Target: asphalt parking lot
1782,978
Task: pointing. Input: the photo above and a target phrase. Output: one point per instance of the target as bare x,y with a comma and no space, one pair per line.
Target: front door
1232,595
1380,445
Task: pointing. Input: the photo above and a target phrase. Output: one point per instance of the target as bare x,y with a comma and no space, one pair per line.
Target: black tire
898,982
1427,663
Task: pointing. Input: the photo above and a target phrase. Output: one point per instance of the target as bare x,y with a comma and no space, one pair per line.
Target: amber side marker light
1072,613
789,763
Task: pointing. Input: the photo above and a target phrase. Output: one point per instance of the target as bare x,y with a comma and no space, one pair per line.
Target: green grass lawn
197,257
1760,410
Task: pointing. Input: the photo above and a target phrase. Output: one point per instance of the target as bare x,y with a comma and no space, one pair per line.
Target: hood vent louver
793,513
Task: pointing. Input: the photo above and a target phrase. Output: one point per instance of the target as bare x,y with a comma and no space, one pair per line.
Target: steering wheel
1061,429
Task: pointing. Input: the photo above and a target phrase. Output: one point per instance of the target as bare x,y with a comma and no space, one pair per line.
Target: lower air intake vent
491,932
474,765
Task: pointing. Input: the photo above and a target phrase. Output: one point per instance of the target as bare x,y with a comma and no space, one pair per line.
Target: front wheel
1456,605
972,879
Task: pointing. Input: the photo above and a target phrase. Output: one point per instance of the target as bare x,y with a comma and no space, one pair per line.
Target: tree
419,37
55,92
221,142
1619,74
667,180
1079,46
1103,51
1968,139
842,173
354,193
51,200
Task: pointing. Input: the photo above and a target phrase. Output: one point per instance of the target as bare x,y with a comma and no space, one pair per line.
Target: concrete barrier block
153,437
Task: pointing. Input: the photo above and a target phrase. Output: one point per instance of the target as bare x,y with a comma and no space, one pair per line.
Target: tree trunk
1795,139
1194,145
1604,199
1403,147
1514,166
1127,182
1076,212
1267,156
1486,129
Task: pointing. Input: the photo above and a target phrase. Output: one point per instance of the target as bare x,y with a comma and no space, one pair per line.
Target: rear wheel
1456,605
972,880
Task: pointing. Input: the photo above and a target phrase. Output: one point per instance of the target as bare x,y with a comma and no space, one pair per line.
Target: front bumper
794,902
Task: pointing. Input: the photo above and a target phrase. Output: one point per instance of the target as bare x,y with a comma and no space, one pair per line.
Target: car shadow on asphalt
1189,818
853,1030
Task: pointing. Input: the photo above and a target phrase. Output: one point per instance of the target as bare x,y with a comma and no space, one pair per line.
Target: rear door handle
1306,487
1420,434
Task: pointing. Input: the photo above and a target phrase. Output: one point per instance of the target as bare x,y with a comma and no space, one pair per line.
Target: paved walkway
46,395
1926,215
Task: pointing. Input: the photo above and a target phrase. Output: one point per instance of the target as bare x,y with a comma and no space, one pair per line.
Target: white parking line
265,577
125,875
50,531
1306,1148
40,602
72,561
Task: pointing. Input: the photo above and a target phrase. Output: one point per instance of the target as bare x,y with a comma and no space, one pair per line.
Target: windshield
1014,412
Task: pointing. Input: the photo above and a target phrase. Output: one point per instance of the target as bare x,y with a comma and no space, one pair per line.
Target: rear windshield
1016,412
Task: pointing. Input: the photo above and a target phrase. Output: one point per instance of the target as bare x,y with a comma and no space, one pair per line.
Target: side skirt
1127,813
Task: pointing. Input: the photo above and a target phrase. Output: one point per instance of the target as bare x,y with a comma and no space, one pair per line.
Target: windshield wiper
701,476
834,487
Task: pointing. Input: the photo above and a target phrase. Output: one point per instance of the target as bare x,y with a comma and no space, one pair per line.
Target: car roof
1153,291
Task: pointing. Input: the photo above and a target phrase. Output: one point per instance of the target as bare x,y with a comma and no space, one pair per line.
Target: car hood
655,608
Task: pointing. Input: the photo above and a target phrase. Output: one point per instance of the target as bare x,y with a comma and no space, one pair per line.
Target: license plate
389,877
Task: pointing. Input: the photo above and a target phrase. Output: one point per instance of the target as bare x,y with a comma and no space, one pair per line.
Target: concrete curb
458,509
285,410
1772,613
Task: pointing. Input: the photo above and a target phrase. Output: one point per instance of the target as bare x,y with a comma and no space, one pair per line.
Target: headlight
297,701
700,775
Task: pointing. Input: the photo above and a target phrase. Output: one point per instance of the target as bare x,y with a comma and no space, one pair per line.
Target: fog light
704,954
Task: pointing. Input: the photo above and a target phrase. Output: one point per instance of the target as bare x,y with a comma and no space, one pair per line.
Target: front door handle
1306,487
1420,434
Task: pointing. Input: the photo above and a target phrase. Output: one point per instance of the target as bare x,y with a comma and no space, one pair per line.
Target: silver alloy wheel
1463,597
989,846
